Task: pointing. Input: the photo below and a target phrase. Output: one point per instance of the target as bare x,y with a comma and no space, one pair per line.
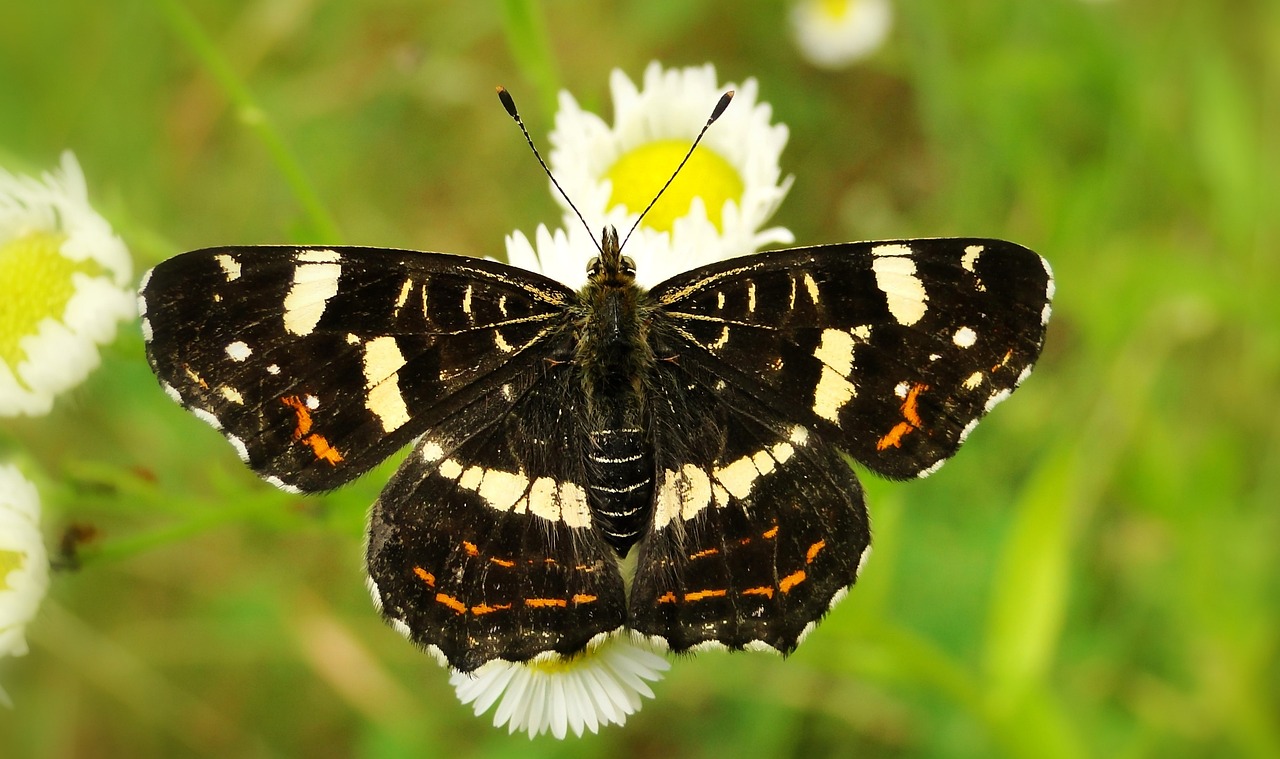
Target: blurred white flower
600,686
24,565
561,255
715,208
64,286
835,33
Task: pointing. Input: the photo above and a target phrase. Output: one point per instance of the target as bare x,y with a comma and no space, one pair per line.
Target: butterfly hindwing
890,350
317,363
758,525
483,546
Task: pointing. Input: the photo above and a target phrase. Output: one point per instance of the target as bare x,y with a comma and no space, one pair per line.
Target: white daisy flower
561,255
601,686
24,565
835,33
64,286
714,209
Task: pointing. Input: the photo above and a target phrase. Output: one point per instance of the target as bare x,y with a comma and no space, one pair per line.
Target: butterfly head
611,267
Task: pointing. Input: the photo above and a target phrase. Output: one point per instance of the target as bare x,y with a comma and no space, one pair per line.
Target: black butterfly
666,460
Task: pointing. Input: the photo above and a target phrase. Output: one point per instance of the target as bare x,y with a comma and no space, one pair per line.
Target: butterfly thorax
613,357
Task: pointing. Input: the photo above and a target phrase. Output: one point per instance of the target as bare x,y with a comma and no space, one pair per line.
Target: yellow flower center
638,175
835,10
10,561
35,284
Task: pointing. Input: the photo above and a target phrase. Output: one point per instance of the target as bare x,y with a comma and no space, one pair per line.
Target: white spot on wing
230,266
812,287
973,380
862,561
935,466
239,350
431,451
146,326
315,281
964,337
903,290
403,297
281,484
239,445
207,418
231,394
997,398
273,369
834,389
970,257
382,360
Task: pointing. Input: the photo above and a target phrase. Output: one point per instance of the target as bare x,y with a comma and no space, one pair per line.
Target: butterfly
665,460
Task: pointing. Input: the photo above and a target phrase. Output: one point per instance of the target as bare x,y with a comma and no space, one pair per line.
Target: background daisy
24,565
835,33
64,286
716,208
603,685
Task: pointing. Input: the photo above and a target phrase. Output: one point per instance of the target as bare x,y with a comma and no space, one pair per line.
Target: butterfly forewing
317,363
890,350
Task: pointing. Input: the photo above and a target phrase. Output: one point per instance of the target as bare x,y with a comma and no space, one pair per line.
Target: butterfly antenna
722,104
509,103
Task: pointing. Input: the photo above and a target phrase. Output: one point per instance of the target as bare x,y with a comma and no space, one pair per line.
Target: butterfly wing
758,526
482,546
767,367
317,363
892,351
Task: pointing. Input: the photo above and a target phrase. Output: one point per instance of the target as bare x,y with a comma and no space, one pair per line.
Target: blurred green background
1095,575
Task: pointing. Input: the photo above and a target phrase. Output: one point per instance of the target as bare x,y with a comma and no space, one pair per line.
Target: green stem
531,47
186,27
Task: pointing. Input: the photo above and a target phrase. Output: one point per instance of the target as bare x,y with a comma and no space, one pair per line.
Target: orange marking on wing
470,548
744,541
894,438
426,576
483,609
301,412
911,413
791,580
302,433
667,598
195,377
452,603
813,551
1007,355
323,450
698,595
583,598
540,603
763,590
771,532
502,562
704,552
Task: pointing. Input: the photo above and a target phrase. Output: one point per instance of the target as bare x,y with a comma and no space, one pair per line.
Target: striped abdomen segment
620,488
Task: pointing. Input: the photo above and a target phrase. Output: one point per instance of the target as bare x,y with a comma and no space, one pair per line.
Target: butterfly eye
628,265
593,266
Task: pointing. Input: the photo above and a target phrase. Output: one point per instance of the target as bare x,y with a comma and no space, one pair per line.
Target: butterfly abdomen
620,484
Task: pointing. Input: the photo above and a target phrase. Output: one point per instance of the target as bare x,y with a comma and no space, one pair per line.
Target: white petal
600,686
